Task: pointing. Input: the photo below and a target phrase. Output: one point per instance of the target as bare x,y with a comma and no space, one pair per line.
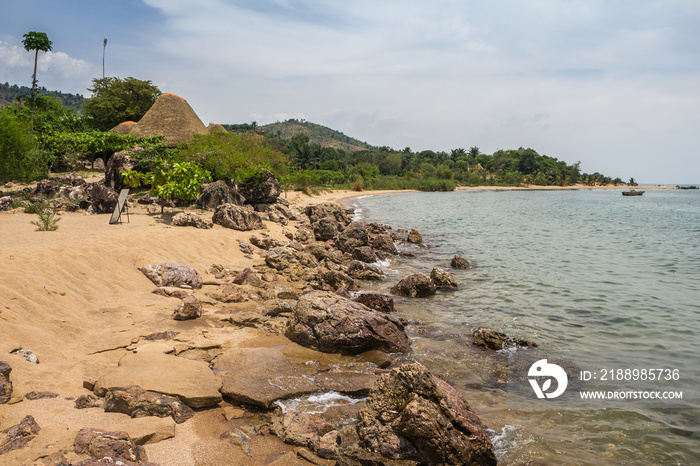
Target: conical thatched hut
214,126
124,128
170,116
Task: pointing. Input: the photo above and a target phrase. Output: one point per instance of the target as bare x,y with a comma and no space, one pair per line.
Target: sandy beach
76,299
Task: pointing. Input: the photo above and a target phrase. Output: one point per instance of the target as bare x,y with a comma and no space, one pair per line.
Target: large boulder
121,160
237,218
5,383
354,236
330,323
102,199
5,203
327,209
169,274
212,195
416,285
262,190
189,380
412,415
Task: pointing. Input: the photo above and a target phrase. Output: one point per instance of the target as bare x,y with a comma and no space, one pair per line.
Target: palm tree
39,42
632,182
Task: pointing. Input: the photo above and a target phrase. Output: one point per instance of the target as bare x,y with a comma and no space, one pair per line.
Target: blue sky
613,84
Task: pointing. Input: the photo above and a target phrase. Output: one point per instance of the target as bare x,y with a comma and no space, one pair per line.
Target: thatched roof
170,116
124,128
214,126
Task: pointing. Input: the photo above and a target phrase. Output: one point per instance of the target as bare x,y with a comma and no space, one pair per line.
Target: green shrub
20,156
357,184
437,185
234,155
304,180
47,218
179,180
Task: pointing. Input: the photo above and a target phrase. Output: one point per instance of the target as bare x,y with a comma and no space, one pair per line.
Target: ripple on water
570,270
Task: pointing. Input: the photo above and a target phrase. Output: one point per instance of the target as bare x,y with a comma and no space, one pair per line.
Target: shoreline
59,287
77,300
344,195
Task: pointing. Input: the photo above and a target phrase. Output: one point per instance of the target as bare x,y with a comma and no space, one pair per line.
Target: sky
614,84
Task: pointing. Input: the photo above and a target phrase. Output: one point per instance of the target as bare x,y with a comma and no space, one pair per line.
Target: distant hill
318,134
9,91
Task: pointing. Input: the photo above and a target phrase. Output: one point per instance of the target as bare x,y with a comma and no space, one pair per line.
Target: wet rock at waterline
489,339
416,285
330,323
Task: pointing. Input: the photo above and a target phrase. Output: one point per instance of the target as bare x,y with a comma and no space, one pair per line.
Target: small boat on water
632,192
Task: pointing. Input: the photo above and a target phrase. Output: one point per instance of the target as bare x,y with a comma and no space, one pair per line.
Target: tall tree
116,100
38,42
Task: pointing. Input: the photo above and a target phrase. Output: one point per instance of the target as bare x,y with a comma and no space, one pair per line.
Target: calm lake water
575,271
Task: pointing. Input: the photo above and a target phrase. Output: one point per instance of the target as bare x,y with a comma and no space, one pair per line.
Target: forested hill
8,92
318,134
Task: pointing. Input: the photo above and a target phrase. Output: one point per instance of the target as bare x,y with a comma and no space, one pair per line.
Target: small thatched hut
216,127
170,116
124,128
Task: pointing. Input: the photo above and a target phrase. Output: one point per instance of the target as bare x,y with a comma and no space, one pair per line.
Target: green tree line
40,133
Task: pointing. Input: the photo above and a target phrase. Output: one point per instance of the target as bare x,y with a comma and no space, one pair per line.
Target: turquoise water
576,271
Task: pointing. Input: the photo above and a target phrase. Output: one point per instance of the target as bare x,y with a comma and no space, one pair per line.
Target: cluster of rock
308,289
100,446
71,192
409,415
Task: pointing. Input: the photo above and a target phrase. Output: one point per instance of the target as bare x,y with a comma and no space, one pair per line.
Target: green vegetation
235,155
179,180
68,150
21,157
47,218
116,100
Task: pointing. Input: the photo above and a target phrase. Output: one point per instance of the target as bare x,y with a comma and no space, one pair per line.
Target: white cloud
56,70
604,82
12,56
